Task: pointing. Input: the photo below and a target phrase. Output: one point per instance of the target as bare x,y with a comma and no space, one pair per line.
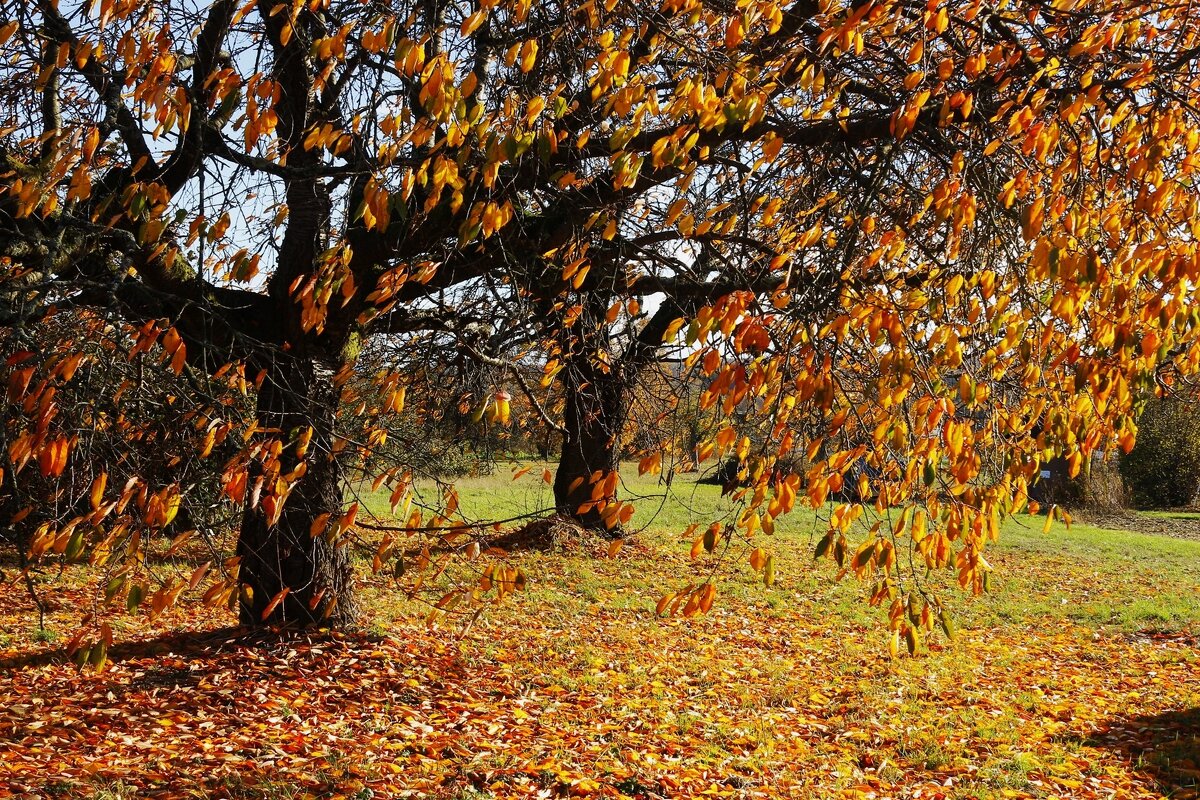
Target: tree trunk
596,405
297,393
598,394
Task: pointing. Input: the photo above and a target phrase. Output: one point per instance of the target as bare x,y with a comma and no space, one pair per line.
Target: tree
1163,469
823,207
907,193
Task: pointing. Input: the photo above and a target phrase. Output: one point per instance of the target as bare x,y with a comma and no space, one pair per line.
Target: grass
44,635
1068,680
1120,581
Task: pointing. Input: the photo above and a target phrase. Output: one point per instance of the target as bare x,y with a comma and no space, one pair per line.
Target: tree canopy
913,250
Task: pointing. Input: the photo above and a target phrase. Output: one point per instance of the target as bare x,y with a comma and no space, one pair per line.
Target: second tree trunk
594,415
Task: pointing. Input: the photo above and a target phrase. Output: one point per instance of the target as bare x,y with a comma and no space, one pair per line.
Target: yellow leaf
673,329
472,22
1049,519
676,208
529,55
98,489
1031,219
171,508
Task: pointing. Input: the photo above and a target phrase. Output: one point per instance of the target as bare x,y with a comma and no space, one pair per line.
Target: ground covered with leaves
1181,524
1078,677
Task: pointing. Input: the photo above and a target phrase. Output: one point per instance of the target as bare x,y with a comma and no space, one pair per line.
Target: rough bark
297,393
596,405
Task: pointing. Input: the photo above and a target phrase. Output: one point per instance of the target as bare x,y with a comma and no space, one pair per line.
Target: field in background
1079,676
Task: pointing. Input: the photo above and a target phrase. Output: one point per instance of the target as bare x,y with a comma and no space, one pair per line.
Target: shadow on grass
1165,747
1184,516
190,645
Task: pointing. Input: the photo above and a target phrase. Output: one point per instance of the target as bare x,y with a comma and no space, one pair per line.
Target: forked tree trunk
297,393
596,405
598,397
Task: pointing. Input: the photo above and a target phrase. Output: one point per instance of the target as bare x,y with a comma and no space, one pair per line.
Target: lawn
1078,676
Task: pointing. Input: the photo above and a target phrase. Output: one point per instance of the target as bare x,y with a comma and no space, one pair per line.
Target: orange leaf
275,601
758,559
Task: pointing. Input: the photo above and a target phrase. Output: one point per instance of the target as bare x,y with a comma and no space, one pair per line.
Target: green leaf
947,623
82,656
75,546
136,593
98,654
114,587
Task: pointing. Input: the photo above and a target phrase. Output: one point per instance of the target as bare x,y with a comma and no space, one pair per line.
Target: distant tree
1163,469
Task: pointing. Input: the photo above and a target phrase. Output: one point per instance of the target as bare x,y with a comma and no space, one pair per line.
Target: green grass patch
1112,580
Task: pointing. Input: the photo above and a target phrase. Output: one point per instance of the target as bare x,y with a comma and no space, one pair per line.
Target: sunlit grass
1117,579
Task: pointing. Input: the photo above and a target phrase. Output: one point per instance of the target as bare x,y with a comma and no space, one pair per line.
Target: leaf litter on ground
577,690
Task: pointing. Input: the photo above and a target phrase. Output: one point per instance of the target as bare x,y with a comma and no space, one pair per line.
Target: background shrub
1163,469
